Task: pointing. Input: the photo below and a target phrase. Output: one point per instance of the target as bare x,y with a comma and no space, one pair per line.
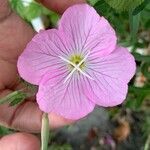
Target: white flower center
76,67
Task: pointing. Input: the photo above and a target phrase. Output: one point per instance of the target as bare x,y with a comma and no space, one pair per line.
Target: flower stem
45,132
147,144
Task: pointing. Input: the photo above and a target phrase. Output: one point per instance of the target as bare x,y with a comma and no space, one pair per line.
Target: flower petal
111,75
65,99
42,54
88,30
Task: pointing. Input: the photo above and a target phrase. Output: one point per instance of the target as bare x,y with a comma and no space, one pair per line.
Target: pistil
76,67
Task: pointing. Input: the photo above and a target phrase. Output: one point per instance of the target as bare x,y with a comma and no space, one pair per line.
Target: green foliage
139,57
32,10
136,97
140,7
60,147
102,8
145,69
146,130
17,5
114,18
4,131
146,125
134,21
92,2
123,5
28,12
14,98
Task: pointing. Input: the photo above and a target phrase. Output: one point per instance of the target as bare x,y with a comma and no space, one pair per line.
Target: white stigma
76,67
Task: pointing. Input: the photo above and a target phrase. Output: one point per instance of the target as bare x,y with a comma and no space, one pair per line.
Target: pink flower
77,65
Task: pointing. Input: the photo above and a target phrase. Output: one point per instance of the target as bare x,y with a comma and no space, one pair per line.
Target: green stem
147,144
45,132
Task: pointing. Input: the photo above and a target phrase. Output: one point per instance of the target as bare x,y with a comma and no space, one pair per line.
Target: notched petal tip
88,30
112,74
130,62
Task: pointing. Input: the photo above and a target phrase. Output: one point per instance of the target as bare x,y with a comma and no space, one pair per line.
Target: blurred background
125,127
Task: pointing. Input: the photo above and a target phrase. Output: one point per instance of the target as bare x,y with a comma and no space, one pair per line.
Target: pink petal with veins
88,30
66,99
41,54
111,75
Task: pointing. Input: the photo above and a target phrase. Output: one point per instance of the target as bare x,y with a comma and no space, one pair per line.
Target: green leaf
134,22
145,69
139,57
54,18
8,98
29,12
92,2
46,11
14,98
136,96
146,124
102,7
60,147
145,90
32,11
18,99
18,6
140,7
4,131
124,5
100,2
135,103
